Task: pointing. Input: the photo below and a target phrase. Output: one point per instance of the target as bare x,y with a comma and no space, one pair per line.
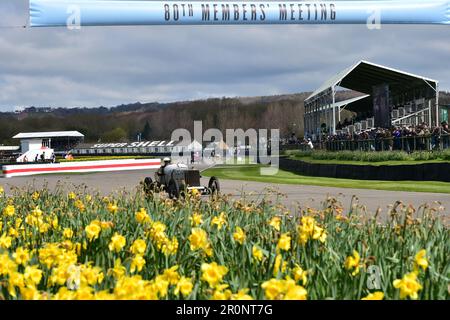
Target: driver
166,162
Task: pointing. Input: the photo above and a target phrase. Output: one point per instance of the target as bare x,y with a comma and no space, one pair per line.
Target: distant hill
158,120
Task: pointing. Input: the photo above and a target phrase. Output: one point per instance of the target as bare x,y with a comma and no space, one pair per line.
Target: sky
108,66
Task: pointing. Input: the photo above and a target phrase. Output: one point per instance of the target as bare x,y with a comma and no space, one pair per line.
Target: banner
381,106
53,13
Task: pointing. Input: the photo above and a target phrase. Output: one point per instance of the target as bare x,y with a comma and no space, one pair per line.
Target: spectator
407,138
445,135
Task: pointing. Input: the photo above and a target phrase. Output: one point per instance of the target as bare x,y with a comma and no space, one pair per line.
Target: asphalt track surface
292,196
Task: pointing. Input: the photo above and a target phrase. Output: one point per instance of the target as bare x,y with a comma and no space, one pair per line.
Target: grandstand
60,141
387,97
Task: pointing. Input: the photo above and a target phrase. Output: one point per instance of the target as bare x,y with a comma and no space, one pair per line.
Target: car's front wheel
214,185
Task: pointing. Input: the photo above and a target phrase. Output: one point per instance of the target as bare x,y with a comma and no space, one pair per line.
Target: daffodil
378,295
21,256
199,241
138,247
137,263
16,280
184,286
13,233
408,285
420,260
79,205
239,235
169,246
5,241
93,231
67,233
309,229
171,275
275,223
9,211
257,253
72,196
32,275
35,196
161,285
106,225
90,276
352,262
219,221
142,216
295,292
36,212
113,208
119,270
273,288
196,219
284,243
84,293
283,289
157,232
29,293
221,292
242,294
117,242
213,273
300,274
279,265
6,265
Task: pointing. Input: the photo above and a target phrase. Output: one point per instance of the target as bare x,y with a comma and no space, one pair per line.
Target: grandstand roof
50,134
353,103
364,75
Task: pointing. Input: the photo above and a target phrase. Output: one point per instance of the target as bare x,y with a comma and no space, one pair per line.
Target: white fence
80,166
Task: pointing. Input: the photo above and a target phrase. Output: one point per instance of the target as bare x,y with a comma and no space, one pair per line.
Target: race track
296,195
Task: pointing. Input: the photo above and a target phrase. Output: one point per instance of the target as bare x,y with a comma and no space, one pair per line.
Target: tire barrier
80,166
415,172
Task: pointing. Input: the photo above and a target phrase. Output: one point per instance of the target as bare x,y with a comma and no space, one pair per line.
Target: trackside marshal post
53,13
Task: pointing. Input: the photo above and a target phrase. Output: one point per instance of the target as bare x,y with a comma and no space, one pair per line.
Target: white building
58,140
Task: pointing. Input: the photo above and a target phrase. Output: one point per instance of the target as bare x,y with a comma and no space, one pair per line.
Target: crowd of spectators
407,138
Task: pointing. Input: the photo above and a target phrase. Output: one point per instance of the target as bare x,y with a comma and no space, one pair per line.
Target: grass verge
252,173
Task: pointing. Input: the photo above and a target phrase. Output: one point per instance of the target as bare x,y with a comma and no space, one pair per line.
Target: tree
116,135
146,134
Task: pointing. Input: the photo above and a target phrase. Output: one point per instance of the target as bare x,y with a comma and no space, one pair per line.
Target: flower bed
82,246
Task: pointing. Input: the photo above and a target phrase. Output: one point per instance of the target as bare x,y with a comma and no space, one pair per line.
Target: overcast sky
114,65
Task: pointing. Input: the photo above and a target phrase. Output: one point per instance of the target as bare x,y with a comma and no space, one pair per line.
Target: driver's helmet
166,160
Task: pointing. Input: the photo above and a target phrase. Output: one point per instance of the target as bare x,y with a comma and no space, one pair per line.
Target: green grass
252,173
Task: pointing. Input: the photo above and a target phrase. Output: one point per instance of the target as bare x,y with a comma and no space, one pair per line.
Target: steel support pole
334,111
429,114
437,104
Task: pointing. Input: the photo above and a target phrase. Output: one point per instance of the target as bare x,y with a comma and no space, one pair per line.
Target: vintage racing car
176,179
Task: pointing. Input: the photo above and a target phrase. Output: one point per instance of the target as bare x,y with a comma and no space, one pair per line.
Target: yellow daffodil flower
239,235
213,273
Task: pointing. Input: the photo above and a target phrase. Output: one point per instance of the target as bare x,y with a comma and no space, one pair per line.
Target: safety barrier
80,166
416,172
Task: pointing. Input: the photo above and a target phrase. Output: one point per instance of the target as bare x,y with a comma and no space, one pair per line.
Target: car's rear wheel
150,186
214,185
173,189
